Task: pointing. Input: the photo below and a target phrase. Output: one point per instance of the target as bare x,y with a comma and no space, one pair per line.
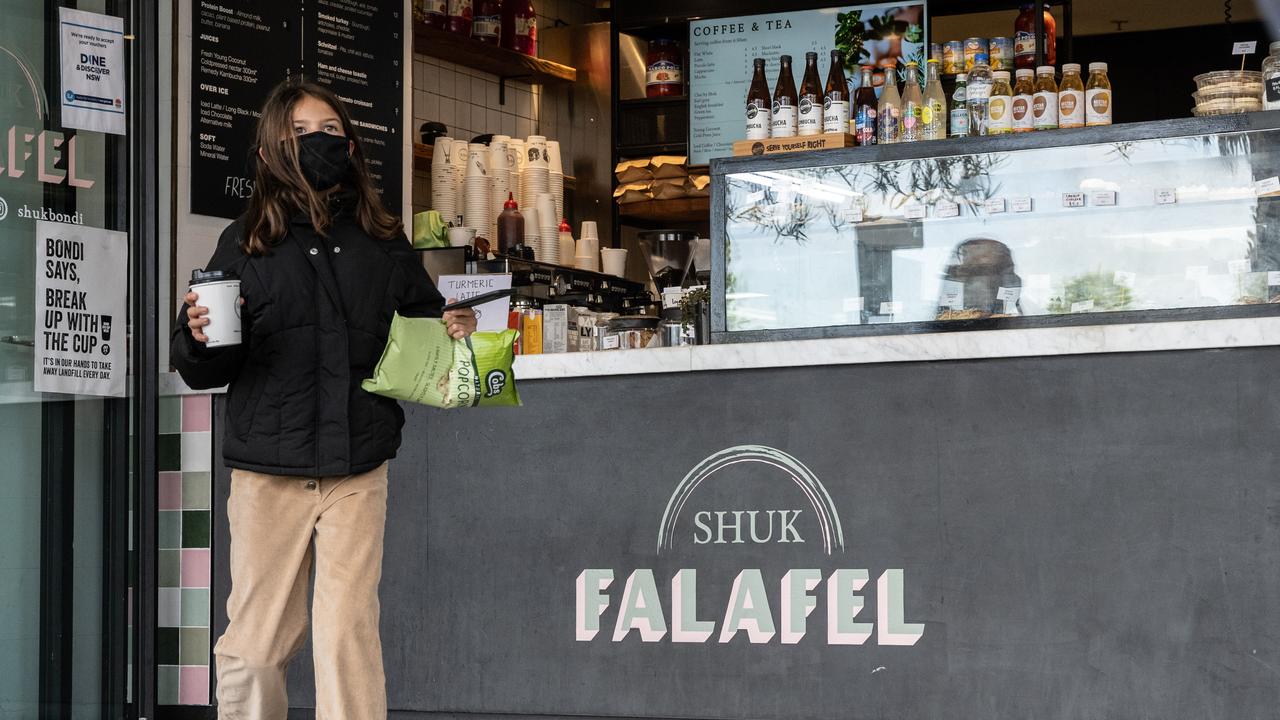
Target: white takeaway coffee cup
219,290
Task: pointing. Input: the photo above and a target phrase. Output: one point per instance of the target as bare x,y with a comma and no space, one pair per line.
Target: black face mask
325,159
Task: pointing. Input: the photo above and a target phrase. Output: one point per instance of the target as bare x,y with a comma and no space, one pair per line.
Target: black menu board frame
240,49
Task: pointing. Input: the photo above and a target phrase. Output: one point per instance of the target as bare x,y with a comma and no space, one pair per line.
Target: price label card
1073,200
952,295
852,305
1022,205
853,214
611,342
1239,267
1082,306
1273,278
890,308
1268,186
915,211
1196,272
995,206
1104,198
1245,48
1166,196
1009,296
946,209
1125,279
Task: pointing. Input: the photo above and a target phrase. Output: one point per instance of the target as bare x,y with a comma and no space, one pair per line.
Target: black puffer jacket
316,317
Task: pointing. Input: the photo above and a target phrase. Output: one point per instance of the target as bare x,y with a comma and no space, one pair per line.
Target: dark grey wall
1089,536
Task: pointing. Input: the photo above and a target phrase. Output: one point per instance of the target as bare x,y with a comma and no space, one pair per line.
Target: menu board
241,49
354,47
721,52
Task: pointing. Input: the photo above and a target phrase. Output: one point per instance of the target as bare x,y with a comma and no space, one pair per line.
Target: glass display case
1143,222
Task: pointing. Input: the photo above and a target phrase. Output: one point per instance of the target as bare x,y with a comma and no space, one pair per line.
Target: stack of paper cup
460,155
548,230
499,180
587,253
517,161
444,190
476,213
537,176
532,235
556,171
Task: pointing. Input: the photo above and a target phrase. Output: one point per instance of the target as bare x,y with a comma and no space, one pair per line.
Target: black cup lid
203,276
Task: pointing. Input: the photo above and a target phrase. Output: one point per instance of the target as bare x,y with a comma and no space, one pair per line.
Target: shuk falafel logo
748,609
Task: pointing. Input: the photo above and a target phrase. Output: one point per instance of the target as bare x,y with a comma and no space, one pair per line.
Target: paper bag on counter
669,188
633,171
669,166
632,192
699,186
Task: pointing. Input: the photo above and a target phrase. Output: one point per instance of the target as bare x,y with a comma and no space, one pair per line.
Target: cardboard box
532,333
773,146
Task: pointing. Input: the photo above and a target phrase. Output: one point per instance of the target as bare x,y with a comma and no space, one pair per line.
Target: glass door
65,518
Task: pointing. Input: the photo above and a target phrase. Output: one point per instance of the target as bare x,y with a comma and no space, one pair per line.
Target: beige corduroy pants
280,526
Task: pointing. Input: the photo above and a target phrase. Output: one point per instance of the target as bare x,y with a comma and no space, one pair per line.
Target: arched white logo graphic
823,507
4,209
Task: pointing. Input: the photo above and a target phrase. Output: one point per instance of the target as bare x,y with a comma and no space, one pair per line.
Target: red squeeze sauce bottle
510,226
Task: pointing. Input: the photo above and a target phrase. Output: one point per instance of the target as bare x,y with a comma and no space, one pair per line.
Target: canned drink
935,52
973,47
953,57
1001,53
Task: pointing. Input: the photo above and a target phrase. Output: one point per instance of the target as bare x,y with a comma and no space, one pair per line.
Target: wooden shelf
651,101
506,64
657,212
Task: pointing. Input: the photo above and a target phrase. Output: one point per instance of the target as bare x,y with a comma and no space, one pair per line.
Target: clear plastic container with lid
1271,79
1071,97
1097,96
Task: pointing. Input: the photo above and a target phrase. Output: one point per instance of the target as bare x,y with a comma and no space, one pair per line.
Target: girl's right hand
196,317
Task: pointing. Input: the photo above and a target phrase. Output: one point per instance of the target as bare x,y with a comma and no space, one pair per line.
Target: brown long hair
280,188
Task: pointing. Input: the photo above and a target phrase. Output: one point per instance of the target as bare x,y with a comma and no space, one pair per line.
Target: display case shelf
506,64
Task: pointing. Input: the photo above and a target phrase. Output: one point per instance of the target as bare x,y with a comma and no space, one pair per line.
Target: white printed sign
81,305
995,206
946,209
491,316
1022,205
1166,196
1245,48
1104,198
93,71
914,211
1073,200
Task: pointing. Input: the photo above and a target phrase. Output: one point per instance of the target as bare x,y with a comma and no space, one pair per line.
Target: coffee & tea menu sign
81,322
241,49
721,53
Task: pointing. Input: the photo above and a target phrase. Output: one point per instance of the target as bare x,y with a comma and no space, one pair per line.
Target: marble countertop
932,347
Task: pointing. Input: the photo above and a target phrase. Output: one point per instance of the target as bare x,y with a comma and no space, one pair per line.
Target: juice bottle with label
486,26
460,14
865,109
889,111
1025,41
759,109
1044,107
979,95
1024,93
835,103
434,13
664,76
912,105
1097,96
809,110
1071,97
960,107
935,104
1000,105
784,102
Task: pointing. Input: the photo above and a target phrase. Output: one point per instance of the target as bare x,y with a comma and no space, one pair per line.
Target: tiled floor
182,643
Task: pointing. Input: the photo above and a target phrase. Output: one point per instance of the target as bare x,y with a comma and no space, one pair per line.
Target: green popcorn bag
422,364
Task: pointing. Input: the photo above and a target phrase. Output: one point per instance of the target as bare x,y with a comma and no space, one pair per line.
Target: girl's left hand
460,323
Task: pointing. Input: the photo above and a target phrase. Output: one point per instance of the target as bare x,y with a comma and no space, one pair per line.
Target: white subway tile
524,103
479,118
447,114
524,127
431,78
446,86
493,121
508,124
478,92
491,93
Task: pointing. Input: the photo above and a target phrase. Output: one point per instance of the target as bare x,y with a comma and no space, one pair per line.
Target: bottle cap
759,62
1045,70
510,204
811,56
1025,73
1071,67
912,63
1001,75
1097,67
565,226
784,58
837,54
932,61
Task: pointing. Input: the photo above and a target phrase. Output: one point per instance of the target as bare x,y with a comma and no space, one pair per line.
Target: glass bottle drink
1023,96
835,102
865,109
783,123
912,105
809,111
460,14
979,95
486,25
1097,96
960,107
435,13
1000,105
935,104
1071,97
1024,37
1044,108
889,111
759,109
520,26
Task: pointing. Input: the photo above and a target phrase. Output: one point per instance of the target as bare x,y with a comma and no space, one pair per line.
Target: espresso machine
670,257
